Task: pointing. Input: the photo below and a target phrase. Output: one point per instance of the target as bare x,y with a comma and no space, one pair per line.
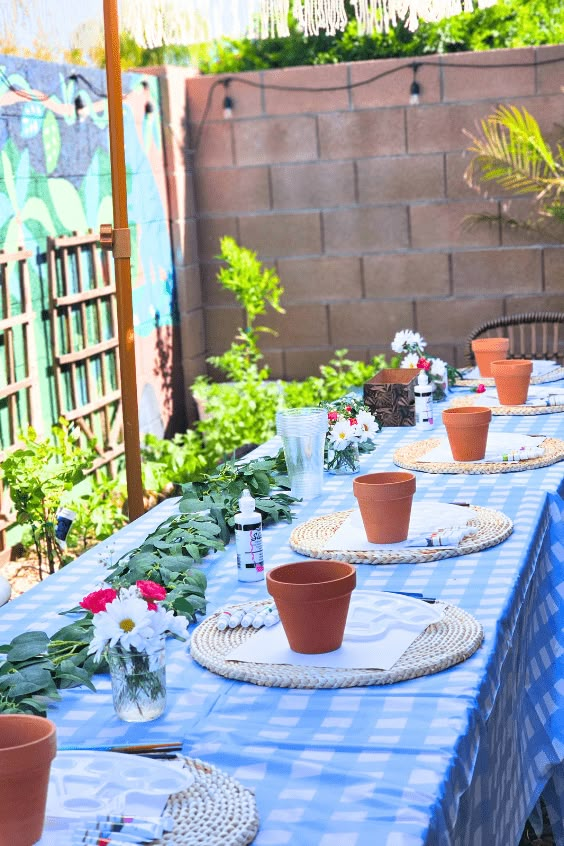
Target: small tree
254,288
38,474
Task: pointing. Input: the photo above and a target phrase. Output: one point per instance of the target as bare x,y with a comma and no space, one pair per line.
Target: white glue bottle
248,539
423,391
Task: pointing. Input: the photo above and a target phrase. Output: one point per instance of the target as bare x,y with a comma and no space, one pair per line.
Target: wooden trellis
19,385
83,316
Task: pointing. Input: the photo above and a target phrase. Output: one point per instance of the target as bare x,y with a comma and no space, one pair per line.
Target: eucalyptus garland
36,667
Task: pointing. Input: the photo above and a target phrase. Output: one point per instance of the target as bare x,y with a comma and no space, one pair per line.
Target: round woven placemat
508,410
214,811
452,639
313,539
408,457
553,375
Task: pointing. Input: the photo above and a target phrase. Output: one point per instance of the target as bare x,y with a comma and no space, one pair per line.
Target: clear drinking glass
303,433
138,683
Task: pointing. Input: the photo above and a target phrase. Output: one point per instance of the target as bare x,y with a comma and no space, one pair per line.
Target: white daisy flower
438,367
366,426
407,339
341,434
410,360
126,621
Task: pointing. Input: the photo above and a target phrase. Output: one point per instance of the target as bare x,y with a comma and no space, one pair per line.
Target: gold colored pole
122,255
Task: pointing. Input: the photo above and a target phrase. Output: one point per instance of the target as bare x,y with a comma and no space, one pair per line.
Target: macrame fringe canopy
372,15
157,23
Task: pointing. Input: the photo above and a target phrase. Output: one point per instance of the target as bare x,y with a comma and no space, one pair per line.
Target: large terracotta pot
384,500
512,380
312,598
467,431
487,350
28,744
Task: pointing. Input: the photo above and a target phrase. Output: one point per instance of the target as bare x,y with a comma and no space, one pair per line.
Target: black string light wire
414,90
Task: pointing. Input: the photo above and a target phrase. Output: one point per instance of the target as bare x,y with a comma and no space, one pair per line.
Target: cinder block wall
358,199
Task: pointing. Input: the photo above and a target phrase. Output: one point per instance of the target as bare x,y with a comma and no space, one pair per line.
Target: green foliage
99,513
236,413
38,475
254,288
169,462
512,152
36,667
512,23
336,379
219,492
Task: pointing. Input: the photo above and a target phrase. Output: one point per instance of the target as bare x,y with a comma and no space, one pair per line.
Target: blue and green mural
55,181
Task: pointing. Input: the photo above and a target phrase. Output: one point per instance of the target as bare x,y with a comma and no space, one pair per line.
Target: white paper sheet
426,517
497,444
540,368
537,396
380,627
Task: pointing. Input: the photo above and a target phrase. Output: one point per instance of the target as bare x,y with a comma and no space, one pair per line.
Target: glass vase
138,682
343,461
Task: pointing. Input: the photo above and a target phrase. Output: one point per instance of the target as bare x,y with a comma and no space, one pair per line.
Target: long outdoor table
459,757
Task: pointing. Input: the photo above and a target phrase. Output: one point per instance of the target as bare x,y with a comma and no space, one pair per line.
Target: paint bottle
65,519
423,391
248,539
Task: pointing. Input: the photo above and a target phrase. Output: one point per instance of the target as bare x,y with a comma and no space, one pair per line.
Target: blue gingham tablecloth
455,758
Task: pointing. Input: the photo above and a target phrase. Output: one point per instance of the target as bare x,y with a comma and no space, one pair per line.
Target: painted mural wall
55,181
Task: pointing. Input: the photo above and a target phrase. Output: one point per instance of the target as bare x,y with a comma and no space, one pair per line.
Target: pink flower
98,600
333,416
151,591
353,421
480,389
424,364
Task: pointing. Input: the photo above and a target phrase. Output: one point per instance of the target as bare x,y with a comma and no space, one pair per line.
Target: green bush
512,23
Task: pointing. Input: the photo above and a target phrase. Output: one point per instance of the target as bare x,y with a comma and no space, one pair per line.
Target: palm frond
512,152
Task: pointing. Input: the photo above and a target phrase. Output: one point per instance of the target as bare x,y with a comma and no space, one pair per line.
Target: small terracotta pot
312,598
467,431
28,744
385,502
487,350
512,379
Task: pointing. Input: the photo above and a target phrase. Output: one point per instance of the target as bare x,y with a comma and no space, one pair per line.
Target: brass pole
122,264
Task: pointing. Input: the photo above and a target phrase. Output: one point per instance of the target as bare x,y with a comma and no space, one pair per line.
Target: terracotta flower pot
487,350
385,501
312,598
467,431
512,379
28,744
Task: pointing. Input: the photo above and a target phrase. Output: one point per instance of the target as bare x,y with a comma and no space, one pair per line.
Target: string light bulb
79,107
149,105
227,101
414,88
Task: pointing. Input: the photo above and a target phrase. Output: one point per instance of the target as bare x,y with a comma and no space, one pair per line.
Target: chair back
537,335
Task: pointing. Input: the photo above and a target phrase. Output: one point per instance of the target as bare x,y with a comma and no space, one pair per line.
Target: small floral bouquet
129,631
409,347
351,431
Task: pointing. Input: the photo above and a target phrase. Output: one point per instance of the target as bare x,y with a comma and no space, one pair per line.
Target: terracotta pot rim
386,485
318,590
516,363
467,417
487,344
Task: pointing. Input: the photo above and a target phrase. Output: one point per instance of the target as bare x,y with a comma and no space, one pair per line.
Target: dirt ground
22,574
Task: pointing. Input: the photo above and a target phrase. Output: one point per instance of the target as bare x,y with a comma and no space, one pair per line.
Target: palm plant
512,152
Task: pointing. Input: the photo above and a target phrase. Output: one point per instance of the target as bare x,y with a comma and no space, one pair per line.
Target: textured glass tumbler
303,433
138,683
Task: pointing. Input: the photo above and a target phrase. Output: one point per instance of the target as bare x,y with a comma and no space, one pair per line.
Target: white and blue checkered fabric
458,758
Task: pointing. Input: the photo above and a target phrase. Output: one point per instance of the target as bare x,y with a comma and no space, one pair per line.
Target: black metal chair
536,335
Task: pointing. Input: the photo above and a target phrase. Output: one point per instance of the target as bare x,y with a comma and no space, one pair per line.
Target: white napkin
498,446
540,368
380,627
426,517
